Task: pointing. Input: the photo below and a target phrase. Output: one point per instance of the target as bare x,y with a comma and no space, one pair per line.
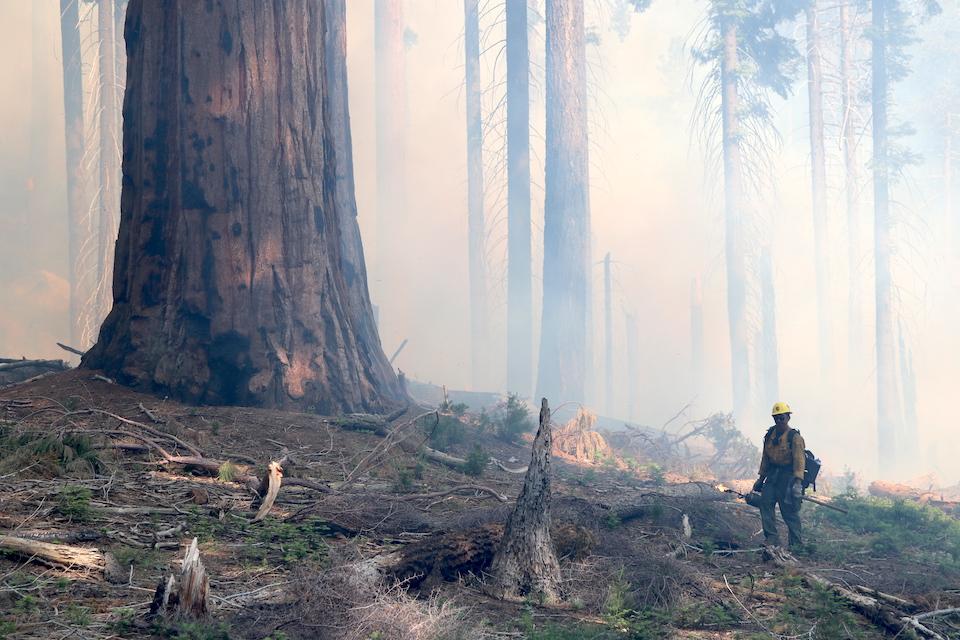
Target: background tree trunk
73,129
608,337
818,173
733,224
888,405
525,563
391,113
696,337
852,174
475,218
353,266
566,242
519,259
230,284
770,361
109,155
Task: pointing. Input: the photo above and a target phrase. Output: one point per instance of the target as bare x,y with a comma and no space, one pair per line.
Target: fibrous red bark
236,277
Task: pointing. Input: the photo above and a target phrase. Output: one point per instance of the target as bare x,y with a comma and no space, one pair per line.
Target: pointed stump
525,564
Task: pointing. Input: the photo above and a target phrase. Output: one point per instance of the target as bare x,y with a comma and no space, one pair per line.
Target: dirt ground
89,463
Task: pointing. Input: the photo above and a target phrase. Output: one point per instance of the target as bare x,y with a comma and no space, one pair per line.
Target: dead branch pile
714,444
578,440
893,491
351,602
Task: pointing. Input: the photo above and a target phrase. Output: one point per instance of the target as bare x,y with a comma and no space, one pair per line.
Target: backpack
811,466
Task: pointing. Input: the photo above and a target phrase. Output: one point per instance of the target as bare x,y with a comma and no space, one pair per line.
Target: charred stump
525,563
239,276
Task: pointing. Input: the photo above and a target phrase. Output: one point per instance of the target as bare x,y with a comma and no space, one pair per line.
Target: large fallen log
61,555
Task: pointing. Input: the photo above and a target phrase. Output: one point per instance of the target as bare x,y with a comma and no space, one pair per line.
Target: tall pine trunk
696,336
733,223
818,172
888,404
770,360
608,336
73,130
519,258
391,121
231,284
851,165
109,154
566,233
475,219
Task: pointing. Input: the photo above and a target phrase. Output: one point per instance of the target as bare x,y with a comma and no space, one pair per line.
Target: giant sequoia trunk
475,218
519,260
566,230
818,172
235,282
888,403
733,223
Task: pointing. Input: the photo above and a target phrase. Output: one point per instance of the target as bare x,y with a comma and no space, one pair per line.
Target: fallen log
887,616
49,553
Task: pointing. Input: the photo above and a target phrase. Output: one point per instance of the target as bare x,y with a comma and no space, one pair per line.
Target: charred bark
230,284
525,563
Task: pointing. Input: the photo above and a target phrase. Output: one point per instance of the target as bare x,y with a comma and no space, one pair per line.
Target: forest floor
644,553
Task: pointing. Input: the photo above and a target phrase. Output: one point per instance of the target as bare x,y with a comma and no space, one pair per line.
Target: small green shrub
73,503
476,462
448,431
227,472
77,615
514,419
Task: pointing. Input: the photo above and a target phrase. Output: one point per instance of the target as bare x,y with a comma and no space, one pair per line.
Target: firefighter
781,478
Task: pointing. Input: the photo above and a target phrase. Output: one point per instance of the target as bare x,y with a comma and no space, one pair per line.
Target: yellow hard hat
779,408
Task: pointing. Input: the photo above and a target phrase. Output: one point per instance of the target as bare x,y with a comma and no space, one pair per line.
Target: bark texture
231,282
525,563
566,234
519,258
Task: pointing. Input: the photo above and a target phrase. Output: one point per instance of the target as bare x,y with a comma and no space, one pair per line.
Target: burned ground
644,553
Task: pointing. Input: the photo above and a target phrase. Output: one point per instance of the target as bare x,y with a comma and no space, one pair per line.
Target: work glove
796,490
758,485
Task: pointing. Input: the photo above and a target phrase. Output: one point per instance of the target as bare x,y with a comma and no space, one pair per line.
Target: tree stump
525,563
190,596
